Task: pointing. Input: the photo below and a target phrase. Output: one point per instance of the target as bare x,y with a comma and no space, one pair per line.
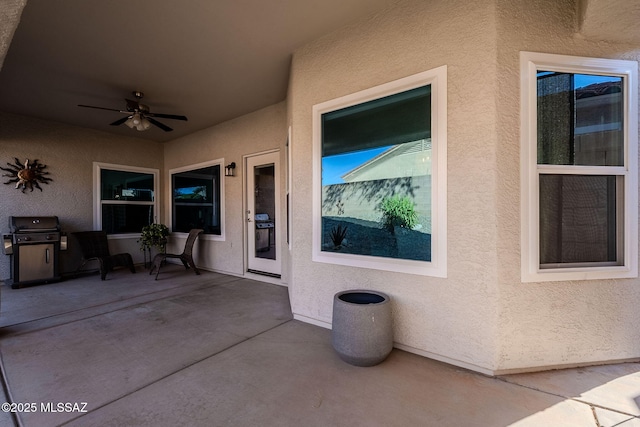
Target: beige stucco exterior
442,318
556,323
480,316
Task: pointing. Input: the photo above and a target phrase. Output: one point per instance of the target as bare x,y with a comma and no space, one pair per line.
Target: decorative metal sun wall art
27,174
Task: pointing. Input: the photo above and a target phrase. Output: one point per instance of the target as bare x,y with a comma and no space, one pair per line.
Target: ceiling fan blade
120,121
103,108
160,125
167,116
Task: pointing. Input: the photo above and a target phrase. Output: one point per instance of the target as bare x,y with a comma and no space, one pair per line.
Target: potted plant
153,236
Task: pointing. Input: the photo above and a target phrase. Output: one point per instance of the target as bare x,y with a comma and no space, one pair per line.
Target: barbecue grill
264,228
34,246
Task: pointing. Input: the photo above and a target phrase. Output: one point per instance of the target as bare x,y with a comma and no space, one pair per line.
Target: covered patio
218,350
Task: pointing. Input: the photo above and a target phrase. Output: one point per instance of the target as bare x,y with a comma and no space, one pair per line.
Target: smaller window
196,198
125,198
579,168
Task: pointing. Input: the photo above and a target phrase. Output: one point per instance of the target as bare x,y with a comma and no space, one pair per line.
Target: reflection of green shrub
398,212
337,235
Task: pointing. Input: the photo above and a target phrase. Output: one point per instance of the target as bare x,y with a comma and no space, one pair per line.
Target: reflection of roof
372,160
394,151
597,89
598,108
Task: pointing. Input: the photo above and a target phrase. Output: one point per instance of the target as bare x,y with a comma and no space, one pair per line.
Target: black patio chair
186,256
94,246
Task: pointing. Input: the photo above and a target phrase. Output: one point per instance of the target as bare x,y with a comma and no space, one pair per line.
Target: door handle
47,255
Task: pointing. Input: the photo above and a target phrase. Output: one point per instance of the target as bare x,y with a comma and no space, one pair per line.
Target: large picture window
196,198
380,177
125,198
579,168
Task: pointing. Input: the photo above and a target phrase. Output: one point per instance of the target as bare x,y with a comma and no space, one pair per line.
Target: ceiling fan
138,115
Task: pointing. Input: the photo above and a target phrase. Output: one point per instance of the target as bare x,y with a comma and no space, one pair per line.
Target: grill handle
8,244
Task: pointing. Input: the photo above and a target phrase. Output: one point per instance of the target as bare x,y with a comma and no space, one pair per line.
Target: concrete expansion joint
94,311
592,406
503,379
595,415
5,389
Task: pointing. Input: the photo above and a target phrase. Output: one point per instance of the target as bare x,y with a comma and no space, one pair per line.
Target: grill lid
24,224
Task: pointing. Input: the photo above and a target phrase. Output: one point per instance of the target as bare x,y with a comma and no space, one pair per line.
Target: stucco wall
481,316
257,132
452,319
554,323
69,153
10,12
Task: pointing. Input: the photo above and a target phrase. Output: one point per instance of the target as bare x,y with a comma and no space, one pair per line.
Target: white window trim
97,191
169,186
437,267
289,206
530,63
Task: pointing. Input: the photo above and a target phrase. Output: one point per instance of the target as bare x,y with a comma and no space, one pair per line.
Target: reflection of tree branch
201,192
198,193
375,190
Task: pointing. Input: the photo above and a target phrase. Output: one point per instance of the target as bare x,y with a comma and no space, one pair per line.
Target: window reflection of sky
586,80
334,167
583,80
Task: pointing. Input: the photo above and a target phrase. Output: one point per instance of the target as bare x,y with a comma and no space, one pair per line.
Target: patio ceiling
208,60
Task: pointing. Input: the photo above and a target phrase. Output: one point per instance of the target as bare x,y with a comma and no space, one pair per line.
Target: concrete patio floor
215,350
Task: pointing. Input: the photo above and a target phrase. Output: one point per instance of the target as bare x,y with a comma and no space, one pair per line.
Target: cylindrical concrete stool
362,330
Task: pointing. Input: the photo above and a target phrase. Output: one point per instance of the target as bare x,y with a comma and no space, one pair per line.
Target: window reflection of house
403,169
399,161
598,123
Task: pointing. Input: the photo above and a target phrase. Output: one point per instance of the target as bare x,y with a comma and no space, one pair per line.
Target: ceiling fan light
138,122
129,122
144,124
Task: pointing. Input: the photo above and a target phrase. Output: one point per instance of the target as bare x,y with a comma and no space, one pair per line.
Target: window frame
97,194
531,270
217,162
437,267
